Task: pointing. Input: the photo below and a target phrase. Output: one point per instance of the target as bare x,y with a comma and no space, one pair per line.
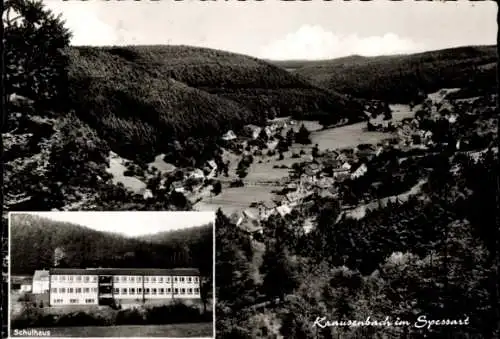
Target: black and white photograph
111,274
347,151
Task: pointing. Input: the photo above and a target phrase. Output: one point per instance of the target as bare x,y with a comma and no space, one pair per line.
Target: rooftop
126,271
41,274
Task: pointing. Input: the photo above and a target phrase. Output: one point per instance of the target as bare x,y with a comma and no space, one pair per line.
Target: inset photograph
111,274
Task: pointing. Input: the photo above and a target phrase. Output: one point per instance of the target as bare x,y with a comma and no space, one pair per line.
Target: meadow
195,330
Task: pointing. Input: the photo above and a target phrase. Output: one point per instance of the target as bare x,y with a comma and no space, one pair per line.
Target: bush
237,183
80,319
176,313
130,317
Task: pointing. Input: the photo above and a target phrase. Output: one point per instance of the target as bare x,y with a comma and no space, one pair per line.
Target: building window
86,290
196,290
161,291
62,290
131,290
153,279
131,279
146,290
190,291
138,279
55,278
54,290
70,278
70,290
116,278
176,291
78,278
181,279
116,291
73,301
160,279
94,279
175,279
63,278
124,291
139,291
169,290
89,301
167,279
153,291
189,279
94,289
78,290
146,279
183,291
196,279
86,279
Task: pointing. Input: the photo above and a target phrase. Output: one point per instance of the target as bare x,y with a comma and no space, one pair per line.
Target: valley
331,192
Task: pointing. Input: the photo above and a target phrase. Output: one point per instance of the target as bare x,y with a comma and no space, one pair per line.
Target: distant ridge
400,78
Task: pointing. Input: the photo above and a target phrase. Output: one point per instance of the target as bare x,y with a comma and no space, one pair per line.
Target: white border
31,212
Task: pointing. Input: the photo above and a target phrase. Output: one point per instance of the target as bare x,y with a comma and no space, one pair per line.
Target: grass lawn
236,198
204,330
117,169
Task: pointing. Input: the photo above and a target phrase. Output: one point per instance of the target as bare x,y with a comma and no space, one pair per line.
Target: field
236,198
117,169
171,330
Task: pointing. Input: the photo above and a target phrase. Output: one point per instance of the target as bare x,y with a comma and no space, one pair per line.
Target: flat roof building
107,286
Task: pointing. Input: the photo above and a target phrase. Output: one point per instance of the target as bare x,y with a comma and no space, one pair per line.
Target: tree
34,39
302,136
217,188
315,151
280,270
59,256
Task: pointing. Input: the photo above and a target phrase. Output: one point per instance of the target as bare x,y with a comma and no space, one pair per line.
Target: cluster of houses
312,181
254,131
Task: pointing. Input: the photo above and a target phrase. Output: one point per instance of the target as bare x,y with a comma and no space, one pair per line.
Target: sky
274,29
133,223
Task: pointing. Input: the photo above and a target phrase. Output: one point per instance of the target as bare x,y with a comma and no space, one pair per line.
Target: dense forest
144,98
403,78
35,239
434,256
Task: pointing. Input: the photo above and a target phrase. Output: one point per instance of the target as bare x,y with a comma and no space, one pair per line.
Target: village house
283,210
229,135
248,223
40,282
197,174
360,171
266,209
178,187
252,131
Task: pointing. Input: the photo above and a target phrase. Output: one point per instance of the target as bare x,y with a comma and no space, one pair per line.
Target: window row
74,301
124,279
74,290
155,291
87,278
74,278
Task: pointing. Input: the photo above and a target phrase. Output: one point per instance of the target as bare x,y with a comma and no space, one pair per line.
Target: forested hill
400,78
34,241
191,234
141,98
